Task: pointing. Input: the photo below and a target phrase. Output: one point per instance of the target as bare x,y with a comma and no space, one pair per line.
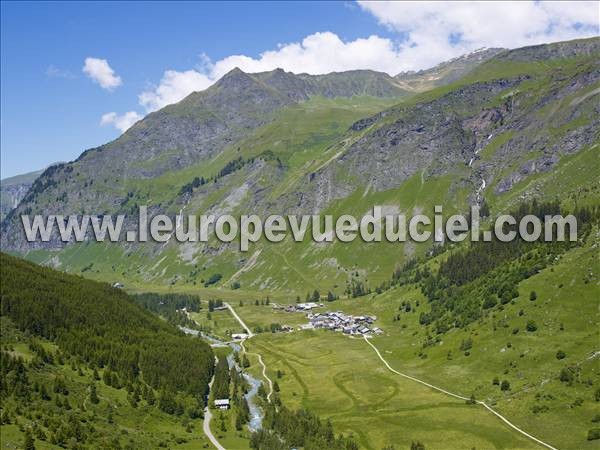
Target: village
347,324
334,321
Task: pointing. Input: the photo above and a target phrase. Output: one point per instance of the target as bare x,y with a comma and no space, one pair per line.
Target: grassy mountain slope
83,363
566,314
522,123
114,421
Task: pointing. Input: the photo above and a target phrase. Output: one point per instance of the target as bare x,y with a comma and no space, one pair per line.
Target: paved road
206,424
501,417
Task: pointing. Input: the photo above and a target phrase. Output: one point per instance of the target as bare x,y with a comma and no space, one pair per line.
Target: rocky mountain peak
234,79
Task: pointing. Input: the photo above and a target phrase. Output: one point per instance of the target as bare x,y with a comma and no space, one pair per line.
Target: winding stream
256,414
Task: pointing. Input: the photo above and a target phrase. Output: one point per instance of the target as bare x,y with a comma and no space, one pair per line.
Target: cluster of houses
336,321
347,324
300,307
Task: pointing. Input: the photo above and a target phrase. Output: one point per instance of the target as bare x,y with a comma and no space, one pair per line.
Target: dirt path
260,360
504,419
264,370
239,319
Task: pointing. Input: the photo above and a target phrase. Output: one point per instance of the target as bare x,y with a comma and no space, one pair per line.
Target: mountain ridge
447,71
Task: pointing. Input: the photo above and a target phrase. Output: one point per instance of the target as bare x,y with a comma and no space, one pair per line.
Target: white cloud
173,87
429,27
320,53
100,72
317,54
123,122
428,33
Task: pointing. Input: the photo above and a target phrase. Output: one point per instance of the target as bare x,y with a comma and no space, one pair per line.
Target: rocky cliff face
13,190
432,137
538,119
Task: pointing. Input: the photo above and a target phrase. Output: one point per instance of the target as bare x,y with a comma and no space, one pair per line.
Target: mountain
191,132
337,84
519,124
203,124
13,189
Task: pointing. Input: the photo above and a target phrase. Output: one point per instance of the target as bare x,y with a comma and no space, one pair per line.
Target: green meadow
342,379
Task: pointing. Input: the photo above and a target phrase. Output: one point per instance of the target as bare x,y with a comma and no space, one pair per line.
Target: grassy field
262,316
220,324
342,379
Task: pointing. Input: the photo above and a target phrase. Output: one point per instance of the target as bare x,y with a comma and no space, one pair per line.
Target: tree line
284,428
170,306
475,278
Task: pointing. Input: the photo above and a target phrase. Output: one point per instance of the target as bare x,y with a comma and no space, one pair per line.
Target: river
256,414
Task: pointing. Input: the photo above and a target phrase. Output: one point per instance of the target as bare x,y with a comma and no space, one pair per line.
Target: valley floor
342,378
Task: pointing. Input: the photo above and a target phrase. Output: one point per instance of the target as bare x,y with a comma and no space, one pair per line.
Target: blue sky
159,52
